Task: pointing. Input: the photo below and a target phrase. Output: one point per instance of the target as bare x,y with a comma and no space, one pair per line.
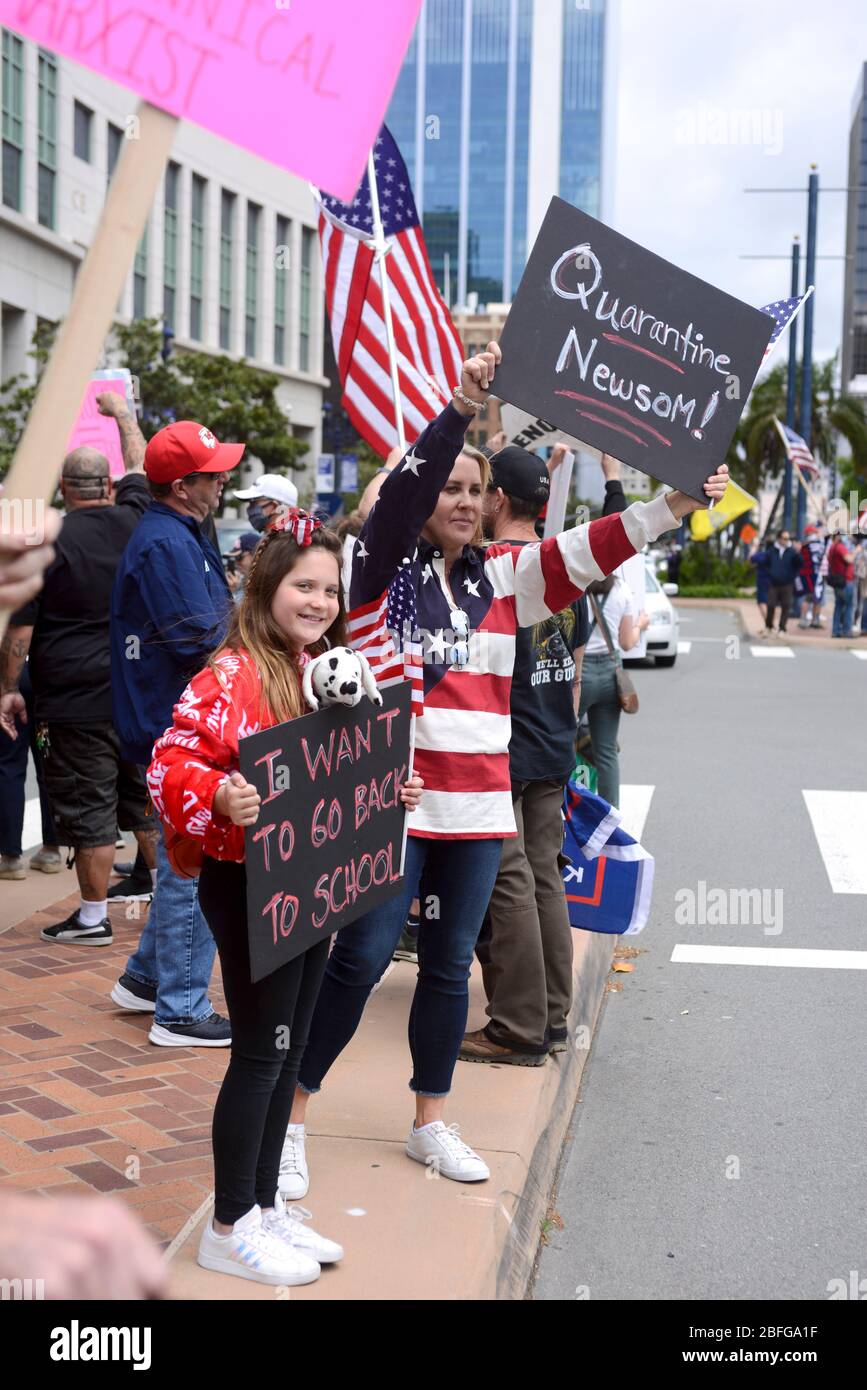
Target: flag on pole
609,876
782,311
798,450
429,351
386,632
734,502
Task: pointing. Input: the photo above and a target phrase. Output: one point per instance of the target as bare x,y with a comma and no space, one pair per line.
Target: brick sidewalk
87,1104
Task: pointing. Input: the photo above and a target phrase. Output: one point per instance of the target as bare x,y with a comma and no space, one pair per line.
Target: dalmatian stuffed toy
338,677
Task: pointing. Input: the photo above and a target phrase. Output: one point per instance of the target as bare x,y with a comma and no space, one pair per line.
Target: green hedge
711,591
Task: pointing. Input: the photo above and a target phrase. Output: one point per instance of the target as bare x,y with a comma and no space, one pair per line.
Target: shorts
92,790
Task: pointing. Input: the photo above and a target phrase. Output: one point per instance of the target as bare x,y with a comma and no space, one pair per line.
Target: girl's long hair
252,627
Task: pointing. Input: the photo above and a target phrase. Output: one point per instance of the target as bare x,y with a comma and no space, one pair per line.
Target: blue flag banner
609,882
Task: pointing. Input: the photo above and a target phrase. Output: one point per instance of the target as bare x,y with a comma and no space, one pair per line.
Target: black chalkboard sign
327,845
627,352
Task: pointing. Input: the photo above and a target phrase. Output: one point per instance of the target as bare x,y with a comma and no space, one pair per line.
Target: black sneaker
123,868
557,1040
213,1031
133,995
72,932
138,887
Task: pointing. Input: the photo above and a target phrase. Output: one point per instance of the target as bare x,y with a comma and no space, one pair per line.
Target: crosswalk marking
790,956
634,805
772,651
840,826
862,656
683,648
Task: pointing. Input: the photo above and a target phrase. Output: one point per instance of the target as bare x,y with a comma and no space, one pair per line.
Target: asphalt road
718,1148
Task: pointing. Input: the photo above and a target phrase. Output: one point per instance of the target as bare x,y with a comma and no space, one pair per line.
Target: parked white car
664,629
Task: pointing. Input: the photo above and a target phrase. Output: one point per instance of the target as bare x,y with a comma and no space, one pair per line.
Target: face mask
257,516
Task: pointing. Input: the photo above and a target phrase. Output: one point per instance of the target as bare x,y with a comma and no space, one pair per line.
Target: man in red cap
169,610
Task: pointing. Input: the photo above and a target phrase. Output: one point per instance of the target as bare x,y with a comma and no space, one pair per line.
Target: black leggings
252,1109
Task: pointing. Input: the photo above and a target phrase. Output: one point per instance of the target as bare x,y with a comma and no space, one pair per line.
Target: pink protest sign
97,431
303,83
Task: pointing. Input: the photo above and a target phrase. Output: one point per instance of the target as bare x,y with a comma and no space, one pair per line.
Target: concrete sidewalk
86,1103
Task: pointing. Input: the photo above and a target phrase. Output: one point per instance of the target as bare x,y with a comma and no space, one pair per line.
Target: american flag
429,351
782,311
373,628
798,452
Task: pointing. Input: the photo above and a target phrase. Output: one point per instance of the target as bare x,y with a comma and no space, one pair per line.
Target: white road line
634,805
772,651
862,656
683,648
769,955
840,826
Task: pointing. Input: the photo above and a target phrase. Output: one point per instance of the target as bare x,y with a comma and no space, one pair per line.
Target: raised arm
409,494
132,441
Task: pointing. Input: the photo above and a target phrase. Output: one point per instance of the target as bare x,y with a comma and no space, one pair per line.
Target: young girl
292,609
426,527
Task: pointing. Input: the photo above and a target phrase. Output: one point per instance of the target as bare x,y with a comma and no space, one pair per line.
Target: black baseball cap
520,474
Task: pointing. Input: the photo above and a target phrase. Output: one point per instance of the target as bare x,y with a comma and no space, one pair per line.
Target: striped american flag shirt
462,742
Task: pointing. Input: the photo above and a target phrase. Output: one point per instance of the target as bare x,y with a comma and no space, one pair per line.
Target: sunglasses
460,653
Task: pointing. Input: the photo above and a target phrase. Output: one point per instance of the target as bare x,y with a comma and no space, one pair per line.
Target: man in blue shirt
169,610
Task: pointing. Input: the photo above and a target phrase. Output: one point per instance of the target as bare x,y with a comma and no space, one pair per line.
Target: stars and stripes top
429,352
799,451
462,741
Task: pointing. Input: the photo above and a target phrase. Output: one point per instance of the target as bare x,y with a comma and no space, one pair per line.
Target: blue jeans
600,703
13,777
844,610
176,949
454,879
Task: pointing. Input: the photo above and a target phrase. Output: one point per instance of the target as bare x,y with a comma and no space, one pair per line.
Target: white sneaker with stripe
252,1251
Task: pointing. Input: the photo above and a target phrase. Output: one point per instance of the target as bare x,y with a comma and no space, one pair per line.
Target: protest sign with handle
639,358
95,431
326,847
300,83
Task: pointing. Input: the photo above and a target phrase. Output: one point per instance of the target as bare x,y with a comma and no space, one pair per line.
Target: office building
499,105
853,365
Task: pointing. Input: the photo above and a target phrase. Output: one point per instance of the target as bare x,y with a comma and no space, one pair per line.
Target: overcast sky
685,70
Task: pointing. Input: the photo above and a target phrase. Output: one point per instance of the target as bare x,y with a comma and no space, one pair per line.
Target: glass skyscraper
854,358
499,105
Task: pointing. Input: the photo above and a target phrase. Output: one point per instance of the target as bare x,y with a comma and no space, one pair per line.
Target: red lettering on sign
264,833
286,853
268,759
388,714
321,756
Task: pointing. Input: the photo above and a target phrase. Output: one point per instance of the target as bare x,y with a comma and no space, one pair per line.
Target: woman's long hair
253,628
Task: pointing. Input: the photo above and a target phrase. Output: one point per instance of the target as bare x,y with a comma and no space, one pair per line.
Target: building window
82,130
251,291
227,225
47,138
115,140
304,299
281,265
197,254
13,118
170,243
140,278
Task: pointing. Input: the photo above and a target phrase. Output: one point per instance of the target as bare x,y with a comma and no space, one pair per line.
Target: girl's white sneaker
288,1223
440,1147
254,1251
294,1178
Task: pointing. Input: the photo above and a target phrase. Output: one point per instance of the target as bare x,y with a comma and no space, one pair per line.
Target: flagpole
381,250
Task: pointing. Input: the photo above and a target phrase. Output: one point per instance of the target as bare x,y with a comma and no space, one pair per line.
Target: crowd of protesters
794,579
164,665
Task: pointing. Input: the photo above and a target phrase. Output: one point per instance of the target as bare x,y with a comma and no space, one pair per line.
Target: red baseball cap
187,447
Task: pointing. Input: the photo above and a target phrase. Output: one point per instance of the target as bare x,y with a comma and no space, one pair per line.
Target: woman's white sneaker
440,1147
288,1223
294,1178
254,1251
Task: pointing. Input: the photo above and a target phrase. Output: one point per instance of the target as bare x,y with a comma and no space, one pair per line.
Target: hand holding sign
238,799
477,375
410,792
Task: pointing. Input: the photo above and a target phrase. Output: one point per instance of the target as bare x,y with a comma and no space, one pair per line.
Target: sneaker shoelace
450,1137
291,1157
263,1239
286,1222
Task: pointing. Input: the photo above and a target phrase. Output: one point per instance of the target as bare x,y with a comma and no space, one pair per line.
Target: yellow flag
733,504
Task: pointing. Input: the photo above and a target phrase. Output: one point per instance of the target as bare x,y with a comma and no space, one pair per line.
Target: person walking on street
760,560
859,564
784,563
169,610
